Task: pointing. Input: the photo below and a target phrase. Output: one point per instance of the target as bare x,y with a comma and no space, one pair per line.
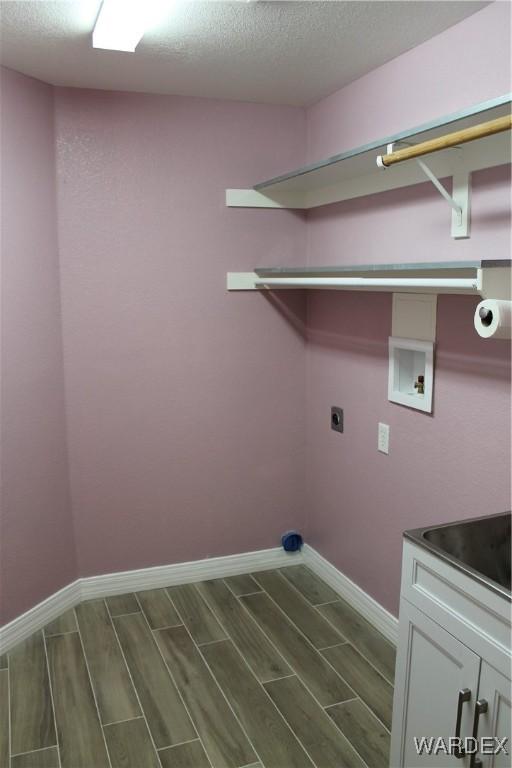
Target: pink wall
454,463
446,466
185,404
37,550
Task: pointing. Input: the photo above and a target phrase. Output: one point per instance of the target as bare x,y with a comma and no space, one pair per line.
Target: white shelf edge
251,198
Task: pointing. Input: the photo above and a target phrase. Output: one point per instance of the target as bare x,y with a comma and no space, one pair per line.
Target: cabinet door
495,689
432,667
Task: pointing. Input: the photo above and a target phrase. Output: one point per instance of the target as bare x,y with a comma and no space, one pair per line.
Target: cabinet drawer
476,615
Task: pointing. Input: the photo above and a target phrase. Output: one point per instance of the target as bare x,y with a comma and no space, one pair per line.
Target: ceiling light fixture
121,24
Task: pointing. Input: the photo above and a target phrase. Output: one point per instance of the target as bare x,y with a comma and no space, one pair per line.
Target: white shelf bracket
461,193
442,191
459,200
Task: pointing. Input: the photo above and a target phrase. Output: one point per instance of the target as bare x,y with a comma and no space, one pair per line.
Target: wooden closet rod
448,140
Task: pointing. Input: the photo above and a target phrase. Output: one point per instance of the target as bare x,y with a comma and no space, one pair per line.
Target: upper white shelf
355,173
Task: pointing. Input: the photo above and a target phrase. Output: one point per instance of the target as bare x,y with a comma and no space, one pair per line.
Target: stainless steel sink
480,547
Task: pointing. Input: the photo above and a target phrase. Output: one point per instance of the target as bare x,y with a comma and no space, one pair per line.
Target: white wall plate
414,316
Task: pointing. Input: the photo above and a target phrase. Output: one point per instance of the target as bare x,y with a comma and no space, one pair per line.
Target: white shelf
355,173
486,278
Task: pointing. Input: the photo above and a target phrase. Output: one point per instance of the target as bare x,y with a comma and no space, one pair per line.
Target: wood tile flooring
263,670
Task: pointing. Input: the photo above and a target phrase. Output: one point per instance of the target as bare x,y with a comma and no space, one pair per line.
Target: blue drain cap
291,541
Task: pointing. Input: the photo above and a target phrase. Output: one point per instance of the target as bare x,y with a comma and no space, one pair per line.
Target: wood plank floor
262,670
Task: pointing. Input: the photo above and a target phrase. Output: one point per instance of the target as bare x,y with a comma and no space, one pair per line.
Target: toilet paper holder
493,319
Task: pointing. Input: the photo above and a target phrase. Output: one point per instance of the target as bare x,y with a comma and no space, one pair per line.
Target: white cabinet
495,690
438,667
451,662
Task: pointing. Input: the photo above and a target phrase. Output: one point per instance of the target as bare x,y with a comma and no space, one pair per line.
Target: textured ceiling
278,52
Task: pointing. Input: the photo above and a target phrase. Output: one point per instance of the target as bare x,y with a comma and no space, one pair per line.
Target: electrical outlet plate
383,438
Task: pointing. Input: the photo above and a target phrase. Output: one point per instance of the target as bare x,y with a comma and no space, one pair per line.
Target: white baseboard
185,573
90,587
37,617
373,611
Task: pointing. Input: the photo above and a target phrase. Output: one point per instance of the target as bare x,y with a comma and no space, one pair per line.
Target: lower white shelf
488,279
250,280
